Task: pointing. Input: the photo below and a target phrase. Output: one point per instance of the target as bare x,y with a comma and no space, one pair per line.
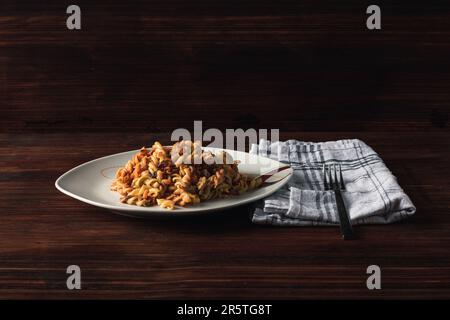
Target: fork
333,180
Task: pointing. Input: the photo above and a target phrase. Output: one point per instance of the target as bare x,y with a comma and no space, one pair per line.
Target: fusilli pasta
180,175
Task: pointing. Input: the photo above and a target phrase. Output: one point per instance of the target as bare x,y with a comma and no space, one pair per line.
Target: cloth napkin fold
372,194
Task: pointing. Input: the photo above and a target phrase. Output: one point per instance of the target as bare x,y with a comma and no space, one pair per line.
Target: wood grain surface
139,69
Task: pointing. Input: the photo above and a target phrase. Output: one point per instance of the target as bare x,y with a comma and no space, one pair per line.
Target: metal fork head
332,177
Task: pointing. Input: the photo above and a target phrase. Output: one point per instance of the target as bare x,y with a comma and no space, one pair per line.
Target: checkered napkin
372,193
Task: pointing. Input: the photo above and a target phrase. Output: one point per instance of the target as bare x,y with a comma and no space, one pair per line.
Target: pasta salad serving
180,175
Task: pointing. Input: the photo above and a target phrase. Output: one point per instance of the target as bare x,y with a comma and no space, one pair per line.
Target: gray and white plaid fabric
372,193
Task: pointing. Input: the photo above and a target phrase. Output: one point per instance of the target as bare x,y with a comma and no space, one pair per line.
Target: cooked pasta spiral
180,175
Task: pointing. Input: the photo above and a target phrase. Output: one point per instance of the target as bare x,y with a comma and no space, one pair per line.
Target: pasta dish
180,175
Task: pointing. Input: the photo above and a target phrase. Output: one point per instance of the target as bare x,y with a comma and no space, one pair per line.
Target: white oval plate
91,181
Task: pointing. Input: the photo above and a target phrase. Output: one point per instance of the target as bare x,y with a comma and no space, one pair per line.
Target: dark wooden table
139,69
221,255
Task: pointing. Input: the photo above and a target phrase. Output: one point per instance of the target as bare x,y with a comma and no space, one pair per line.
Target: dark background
153,66
139,69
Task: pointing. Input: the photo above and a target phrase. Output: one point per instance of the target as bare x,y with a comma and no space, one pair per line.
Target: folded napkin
372,193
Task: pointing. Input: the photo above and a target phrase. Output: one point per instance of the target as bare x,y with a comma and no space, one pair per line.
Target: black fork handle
344,220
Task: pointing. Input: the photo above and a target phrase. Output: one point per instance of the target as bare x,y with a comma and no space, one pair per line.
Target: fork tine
336,180
324,174
330,178
341,178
